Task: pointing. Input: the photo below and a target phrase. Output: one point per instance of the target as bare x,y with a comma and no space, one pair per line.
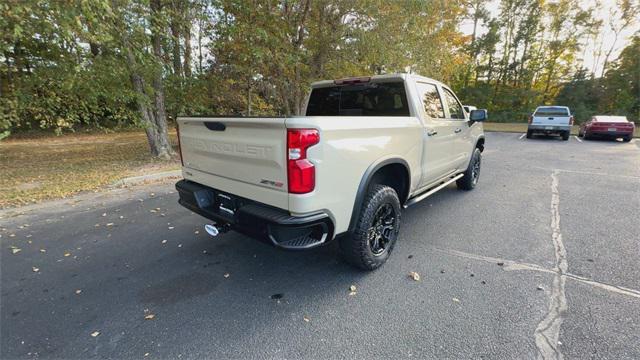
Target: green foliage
67,64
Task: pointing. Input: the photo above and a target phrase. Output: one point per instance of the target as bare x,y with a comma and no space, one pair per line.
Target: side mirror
478,115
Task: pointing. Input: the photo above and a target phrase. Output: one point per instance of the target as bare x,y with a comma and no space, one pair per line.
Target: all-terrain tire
358,248
472,174
565,135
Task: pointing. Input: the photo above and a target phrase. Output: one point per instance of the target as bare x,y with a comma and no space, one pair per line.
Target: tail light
530,119
571,120
179,146
301,173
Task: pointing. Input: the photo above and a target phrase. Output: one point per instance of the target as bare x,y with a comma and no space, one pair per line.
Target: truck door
461,130
438,135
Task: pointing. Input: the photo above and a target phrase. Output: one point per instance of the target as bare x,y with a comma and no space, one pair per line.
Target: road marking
587,172
521,136
510,265
577,138
547,332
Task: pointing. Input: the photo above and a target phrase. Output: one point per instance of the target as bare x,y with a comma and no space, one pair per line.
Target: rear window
552,111
370,99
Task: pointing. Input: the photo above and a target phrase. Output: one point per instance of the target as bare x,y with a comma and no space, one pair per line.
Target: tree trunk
187,49
163,147
175,39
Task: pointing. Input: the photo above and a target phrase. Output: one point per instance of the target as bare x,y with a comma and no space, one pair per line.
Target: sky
590,61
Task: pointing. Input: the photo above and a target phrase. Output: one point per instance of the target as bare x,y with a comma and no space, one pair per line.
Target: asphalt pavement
541,260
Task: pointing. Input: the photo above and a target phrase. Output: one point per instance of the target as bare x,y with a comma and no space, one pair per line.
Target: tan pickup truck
366,148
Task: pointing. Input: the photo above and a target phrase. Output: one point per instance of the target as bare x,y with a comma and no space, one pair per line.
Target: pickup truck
366,148
548,120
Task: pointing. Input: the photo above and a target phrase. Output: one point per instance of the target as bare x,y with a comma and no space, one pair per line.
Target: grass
522,128
41,168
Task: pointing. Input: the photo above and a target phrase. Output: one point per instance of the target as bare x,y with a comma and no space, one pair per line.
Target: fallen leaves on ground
352,290
414,275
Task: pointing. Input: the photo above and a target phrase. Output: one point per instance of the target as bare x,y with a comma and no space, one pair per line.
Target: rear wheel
565,135
626,138
472,174
377,229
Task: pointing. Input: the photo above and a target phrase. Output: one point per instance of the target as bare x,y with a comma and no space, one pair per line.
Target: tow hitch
215,229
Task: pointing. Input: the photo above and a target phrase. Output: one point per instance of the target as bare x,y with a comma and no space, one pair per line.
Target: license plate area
548,127
227,205
612,129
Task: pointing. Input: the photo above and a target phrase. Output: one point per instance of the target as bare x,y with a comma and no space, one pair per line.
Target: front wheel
376,231
529,134
472,174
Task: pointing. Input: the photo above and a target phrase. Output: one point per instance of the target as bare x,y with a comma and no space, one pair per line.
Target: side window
431,100
455,109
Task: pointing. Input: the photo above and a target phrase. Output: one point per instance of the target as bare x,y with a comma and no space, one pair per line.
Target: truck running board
431,191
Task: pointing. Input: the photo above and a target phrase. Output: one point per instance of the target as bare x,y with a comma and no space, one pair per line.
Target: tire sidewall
378,196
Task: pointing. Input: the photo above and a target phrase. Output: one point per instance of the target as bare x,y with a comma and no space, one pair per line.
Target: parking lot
541,259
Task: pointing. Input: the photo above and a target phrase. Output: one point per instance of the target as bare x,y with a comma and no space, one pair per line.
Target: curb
135,180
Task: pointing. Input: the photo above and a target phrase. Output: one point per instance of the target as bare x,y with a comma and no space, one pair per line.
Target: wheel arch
381,173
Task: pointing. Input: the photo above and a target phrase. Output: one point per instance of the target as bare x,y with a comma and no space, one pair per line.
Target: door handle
432,133
457,130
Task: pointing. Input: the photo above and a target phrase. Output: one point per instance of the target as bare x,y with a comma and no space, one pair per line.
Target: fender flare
364,185
480,138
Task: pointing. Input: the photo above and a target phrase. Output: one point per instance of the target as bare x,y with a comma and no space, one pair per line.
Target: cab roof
375,78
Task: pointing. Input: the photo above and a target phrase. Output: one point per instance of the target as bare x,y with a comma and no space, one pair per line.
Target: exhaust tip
211,229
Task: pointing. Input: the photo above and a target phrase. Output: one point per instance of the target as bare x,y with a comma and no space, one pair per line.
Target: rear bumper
549,128
612,134
257,220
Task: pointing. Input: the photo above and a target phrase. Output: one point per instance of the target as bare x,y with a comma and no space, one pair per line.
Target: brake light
179,146
571,120
530,119
301,173
351,81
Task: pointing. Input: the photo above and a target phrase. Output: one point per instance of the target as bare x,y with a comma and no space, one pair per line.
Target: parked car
605,126
366,148
550,120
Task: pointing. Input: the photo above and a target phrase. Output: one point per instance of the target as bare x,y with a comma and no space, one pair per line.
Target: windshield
370,99
552,111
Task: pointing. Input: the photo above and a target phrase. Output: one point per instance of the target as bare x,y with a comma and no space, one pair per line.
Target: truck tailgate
551,120
241,156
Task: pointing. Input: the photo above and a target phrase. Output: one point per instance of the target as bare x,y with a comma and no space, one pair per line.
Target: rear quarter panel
348,147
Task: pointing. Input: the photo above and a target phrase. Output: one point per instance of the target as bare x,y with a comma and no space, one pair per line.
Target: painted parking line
521,136
577,138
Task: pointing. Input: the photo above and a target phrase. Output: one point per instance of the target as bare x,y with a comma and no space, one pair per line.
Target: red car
605,126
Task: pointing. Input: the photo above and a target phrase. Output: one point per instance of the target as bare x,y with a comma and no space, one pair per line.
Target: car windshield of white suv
369,99
552,111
